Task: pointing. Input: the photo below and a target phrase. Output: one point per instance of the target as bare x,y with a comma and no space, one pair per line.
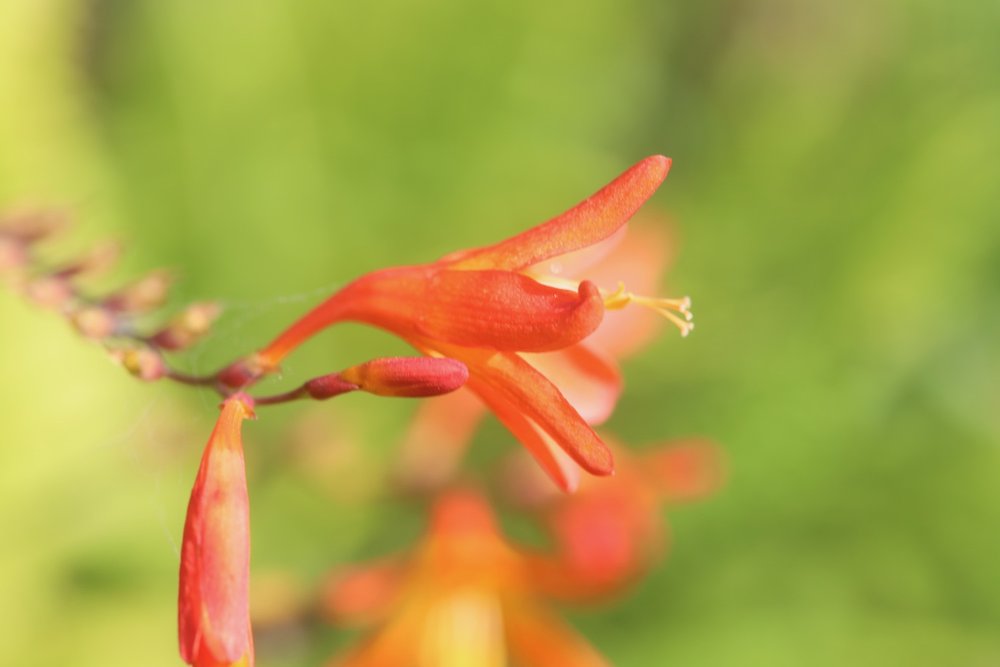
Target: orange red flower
611,531
487,306
586,373
213,602
465,596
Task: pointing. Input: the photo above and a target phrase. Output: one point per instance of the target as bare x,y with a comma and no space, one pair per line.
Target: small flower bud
94,322
98,260
412,377
49,291
191,324
29,227
13,255
142,362
145,294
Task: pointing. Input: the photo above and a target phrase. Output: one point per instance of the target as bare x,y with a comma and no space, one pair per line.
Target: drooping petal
497,310
587,223
556,463
538,639
511,381
589,379
213,607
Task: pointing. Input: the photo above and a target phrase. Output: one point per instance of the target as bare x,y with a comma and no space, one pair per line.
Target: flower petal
589,380
638,263
214,611
538,639
510,381
498,310
589,222
556,464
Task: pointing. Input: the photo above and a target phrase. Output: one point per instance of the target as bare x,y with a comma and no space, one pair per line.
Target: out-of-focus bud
29,227
142,362
13,255
190,325
412,377
49,291
145,294
98,260
94,322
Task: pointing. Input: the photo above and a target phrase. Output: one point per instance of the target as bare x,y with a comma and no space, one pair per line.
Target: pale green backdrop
834,193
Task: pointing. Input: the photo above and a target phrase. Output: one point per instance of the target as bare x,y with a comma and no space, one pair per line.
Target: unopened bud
194,322
143,295
29,227
412,377
95,322
142,362
13,255
49,291
98,260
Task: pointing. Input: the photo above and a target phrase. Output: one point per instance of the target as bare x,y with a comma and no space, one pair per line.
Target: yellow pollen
678,311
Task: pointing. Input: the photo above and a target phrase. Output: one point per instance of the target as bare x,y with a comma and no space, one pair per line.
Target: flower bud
13,255
31,226
145,294
413,377
49,291
94,322
142,362
186,328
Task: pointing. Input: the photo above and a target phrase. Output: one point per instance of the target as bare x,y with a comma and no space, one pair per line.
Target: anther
677,311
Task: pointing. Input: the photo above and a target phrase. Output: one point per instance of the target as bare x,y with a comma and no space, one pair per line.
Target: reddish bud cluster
110,319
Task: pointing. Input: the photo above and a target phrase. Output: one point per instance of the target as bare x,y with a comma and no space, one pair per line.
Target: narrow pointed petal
511,381
538,639
214,612
556,463
589,379
589,222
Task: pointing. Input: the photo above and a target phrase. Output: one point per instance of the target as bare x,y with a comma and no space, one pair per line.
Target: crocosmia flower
487,306
465,597
611,531
587,373
213,604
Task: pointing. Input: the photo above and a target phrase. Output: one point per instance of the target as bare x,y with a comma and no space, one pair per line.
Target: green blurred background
835,198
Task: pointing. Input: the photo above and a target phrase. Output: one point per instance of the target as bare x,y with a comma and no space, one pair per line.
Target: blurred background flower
835,221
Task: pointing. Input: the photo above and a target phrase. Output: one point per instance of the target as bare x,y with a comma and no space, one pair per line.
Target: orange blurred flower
464,597
213,603
485,306
611,531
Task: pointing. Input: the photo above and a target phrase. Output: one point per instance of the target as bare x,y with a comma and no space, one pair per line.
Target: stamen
677,311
